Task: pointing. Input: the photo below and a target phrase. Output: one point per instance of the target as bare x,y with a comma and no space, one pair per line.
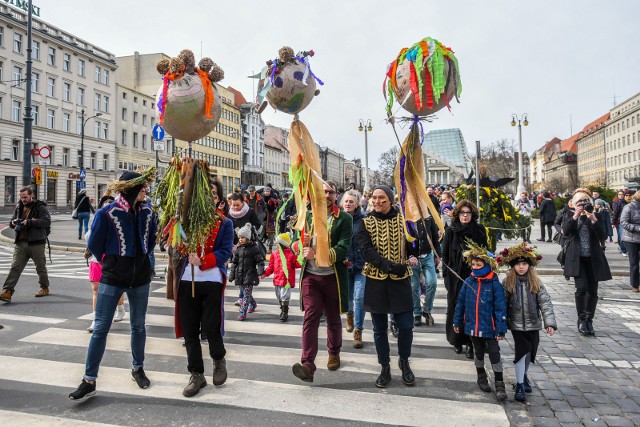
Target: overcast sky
559,61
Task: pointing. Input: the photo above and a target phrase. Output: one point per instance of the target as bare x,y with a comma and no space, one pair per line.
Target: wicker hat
515,254
476,251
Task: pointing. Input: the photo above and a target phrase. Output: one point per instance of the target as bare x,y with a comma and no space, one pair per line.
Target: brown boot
43,292
334,363
349,322
357,338
6,295
219,371
303,372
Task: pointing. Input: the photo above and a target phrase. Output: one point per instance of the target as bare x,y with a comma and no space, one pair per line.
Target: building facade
561,168
622,140
280,137
591,153
253,146
274,154
446,158
221,148
69,76
353,174
539,159
332,164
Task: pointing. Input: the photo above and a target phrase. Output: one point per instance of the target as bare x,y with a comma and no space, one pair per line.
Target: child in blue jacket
481,311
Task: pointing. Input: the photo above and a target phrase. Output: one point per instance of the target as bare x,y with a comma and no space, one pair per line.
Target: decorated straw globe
287,82
189,106
423,79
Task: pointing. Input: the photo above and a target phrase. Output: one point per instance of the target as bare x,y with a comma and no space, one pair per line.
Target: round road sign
45,152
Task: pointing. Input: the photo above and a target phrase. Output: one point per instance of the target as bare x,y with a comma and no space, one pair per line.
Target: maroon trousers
320,294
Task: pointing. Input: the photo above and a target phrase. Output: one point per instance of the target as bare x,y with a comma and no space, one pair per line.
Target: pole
478,174
28,118
521,188
366,160
81,147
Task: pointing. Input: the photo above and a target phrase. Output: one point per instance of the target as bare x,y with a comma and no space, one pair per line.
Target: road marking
368,407
425,368
31,319
14,418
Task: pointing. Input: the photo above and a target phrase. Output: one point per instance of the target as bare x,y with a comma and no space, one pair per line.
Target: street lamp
366,127
84,122
522,120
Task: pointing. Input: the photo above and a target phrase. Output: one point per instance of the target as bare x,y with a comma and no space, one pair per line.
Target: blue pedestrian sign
83,173
81,184
158,132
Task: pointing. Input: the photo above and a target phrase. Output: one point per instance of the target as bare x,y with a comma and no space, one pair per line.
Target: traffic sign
83,174
45,152
81,184
37,174
158,132
44,161
158,145
35,152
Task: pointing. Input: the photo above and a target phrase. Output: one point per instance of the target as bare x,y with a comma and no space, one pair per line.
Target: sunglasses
465,213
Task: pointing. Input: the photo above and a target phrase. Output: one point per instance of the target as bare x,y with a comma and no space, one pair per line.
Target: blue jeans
381,337
106,303
356,297
427,267
83,218
620,242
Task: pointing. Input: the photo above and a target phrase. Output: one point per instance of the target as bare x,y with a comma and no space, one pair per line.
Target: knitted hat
384,188
284,239
251,188
478,252
600,202
245,231
513,255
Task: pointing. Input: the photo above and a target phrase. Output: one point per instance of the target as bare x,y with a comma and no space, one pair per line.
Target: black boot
483,381
581,308
469,352
281,311
592,302
407,374
285,312
385,377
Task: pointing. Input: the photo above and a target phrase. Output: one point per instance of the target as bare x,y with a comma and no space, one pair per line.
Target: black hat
130,194
386,189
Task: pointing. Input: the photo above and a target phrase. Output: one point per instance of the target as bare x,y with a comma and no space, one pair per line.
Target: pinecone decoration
286,54
205,64
163,66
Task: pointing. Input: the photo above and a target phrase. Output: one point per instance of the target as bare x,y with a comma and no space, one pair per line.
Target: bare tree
499,160
386,165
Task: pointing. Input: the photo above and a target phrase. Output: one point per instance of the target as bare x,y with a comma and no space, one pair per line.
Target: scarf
463,230
239,214
481,272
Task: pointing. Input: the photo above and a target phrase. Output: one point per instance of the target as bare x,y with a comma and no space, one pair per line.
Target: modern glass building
446,156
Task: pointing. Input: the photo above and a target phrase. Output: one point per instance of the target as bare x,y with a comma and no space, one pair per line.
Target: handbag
74,212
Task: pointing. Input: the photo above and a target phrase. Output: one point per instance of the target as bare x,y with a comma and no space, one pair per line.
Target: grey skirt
388,296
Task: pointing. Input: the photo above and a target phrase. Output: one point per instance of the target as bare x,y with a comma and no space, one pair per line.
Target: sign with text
44,161
158,145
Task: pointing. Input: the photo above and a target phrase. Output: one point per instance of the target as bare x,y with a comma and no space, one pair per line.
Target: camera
587,206
18,227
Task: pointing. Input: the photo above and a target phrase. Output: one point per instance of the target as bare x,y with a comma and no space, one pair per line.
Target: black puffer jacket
38,223
246,265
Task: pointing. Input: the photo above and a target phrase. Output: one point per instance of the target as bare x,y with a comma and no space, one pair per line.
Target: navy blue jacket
481,307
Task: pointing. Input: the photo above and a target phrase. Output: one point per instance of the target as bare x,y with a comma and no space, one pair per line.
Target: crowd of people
378,264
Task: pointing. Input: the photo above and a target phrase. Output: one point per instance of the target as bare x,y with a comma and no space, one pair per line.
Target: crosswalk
260,352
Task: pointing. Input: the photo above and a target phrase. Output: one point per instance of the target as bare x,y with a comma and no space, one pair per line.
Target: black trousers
633,249
549,226
586,283
202,310
487,345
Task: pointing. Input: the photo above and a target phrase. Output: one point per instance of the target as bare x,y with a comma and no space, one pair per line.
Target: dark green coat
340,233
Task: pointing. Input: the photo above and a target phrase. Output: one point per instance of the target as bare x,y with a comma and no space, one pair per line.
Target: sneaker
140,378
527,385
238,303
428,319
120,313
219,371
334,363
84,391
519,393
6,295
303,372
241,317
92,327
43,292
196,382
252,307
624,254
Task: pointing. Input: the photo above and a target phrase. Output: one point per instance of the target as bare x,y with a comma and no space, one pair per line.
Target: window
35,82
144,141
135,117
79,158
17,77
51,57
15,149
66,119
144,119
92,160
98,101
36,115
66,62
16,106
81,67
106,104
105,162
105,77
17,43
80,96
1,36
124,95
105,130
65,157
124,114
135,140
123,140
97,127
66,92
135,99
35,49
51,119
51,87
98,73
